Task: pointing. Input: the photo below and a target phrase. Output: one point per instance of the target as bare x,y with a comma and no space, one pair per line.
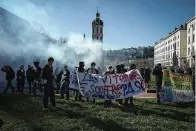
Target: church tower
97,28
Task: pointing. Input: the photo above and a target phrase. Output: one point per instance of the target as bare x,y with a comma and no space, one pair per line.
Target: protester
142,72
29,75
80,69
10,75
123,70
130,99
47,80
147,76
92,70
119,71
157,71
20,79
63,80
110,71
36,78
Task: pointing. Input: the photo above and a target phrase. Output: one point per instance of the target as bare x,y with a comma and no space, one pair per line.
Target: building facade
190,40
172,50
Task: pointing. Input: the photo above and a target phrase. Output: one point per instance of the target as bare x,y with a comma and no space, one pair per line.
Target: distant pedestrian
157,71
63,80
29,75
10,75
36,78
20,79
147,76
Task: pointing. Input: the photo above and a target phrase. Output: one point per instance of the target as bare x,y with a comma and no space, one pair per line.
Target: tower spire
98,9
97,14
84,36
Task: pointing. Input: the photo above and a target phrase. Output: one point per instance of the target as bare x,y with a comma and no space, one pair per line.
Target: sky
127,23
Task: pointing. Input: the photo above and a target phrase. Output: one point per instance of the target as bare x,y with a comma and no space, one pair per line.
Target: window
174,46
177,44
193,40
193,27
171,47
101,30
97,30
189,40
189,30
101,38
97,37
93,30
189,51
178,36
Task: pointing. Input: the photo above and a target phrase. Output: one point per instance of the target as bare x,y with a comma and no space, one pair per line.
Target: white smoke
27,43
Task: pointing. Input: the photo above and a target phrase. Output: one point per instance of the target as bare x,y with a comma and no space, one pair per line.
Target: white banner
110,87
73,80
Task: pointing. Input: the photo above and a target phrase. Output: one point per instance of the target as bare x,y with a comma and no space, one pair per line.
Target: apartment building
172,50
190,40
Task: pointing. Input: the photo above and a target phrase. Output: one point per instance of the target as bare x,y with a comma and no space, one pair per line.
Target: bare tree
40,29
63,39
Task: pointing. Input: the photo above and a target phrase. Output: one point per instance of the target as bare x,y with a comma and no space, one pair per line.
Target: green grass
23,113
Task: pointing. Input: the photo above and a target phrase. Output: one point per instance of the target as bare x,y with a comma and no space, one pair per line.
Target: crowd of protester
42,79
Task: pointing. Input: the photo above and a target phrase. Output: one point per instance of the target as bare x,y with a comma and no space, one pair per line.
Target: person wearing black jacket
29,75
47,80
92,70
20,79
80,69
36,78
157,71
10,75
110,71
63,79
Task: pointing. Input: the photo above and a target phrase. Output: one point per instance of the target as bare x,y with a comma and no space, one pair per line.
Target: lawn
23,113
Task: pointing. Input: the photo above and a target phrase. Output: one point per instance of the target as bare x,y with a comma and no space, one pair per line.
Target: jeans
65,90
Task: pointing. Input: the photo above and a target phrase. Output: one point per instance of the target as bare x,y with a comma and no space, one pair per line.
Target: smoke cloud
21,42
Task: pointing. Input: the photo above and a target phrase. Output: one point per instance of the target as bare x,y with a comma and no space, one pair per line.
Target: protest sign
176,87
111,87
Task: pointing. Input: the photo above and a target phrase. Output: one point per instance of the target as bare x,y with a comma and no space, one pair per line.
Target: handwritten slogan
111,87
73,80
176,87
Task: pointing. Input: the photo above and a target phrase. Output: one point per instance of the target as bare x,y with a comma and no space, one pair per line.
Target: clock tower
97,28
